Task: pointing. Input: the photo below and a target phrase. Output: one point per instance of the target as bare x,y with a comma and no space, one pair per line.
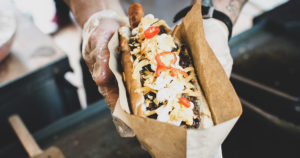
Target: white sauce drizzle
168,88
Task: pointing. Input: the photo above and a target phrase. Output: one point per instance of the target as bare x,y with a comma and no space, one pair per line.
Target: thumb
96,56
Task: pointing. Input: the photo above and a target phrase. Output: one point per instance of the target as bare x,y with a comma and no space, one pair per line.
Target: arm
83,9
216,32
95,53
231,8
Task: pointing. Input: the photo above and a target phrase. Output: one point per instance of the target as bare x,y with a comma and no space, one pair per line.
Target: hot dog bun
132,85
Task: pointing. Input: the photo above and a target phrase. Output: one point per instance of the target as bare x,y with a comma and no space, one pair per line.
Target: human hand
96,56
97,33
216,32
95,51
100,19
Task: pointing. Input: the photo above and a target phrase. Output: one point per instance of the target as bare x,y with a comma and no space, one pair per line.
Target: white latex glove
96,34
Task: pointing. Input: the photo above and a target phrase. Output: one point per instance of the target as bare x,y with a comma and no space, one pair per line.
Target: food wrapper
163,140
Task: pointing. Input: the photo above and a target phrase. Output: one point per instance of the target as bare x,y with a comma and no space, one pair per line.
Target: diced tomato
183,101
151,32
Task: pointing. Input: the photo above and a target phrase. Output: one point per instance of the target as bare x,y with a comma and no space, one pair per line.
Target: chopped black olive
185,96
177,46
132,47
183,124
148,68
142,72
142,80
162,30
152,106
132,42
174,49
192,99
150,95
160,104
185,60
133,57
196,110
154,116
196,124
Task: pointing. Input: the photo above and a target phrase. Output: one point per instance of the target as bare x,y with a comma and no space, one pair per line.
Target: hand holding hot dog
96,56
96,53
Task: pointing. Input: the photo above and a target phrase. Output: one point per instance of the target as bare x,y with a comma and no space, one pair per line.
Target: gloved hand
96,56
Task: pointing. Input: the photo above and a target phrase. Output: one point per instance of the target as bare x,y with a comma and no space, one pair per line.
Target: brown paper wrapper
163,140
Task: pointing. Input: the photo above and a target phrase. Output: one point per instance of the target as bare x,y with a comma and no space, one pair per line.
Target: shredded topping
167,86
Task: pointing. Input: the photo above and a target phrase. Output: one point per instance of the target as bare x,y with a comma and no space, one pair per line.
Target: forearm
83,9
231,8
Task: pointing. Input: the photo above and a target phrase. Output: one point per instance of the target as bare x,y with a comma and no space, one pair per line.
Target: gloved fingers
97,33
110,93
96,56
123,129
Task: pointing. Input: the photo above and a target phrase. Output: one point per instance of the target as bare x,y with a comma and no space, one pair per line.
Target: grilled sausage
135,14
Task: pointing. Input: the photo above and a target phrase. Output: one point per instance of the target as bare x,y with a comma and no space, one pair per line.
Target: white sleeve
216,34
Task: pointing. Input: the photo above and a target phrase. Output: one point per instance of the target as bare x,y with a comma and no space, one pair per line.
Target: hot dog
135,12
159,74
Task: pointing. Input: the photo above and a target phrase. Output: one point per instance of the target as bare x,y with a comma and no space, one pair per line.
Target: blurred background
44,80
